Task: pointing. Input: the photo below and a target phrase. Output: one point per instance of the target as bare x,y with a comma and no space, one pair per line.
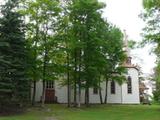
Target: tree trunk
34,78
79,81
45,61
44,78
100,95
44,81
35,67
100,92
79,90
43,93
34,93
75,93
79,94
87,96
68,83
75,80
44,71
106,91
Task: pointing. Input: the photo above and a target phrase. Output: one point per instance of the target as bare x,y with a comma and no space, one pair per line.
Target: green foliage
152,35
149,4
131,44
102,42
93,45
74,41
150,16
42,25
14,84
156,95
43,15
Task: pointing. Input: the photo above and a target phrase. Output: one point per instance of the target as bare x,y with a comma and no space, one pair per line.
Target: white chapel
126,93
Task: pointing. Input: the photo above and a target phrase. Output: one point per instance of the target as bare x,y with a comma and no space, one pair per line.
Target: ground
96,112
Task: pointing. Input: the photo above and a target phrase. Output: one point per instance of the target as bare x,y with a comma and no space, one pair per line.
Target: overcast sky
124,14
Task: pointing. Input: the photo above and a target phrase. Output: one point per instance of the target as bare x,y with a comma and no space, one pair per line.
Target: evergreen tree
14,84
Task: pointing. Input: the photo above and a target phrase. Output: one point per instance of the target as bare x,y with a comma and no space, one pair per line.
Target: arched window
113,91
129,84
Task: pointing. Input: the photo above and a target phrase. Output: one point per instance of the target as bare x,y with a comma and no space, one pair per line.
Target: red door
50,96
50,92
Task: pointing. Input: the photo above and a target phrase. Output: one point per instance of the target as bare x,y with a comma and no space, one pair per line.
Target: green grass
30,114
96,112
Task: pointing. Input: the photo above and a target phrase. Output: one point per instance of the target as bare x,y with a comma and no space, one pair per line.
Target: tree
30,10
84,18
42,25
88,40
152,32
14,83
65,39
114,56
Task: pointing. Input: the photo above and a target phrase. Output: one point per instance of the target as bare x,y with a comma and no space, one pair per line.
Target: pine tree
14,84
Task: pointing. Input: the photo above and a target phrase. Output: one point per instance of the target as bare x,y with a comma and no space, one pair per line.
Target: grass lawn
96,112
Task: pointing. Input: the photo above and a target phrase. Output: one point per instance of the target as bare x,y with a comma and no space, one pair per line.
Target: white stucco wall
134,97
38,91
61,93
114,98
95,98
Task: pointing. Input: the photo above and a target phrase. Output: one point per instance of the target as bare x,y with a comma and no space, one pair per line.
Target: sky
125,15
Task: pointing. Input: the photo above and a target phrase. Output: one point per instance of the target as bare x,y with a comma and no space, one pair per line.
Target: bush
156,95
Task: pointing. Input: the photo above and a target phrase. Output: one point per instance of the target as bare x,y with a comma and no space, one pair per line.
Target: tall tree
32,36
85,17
115,56
152,30
42,26
14,83
92,46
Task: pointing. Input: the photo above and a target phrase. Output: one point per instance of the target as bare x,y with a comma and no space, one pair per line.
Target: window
129,85
95,90
50,85
112,87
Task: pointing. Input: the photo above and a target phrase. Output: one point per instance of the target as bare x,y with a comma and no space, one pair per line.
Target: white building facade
126,93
